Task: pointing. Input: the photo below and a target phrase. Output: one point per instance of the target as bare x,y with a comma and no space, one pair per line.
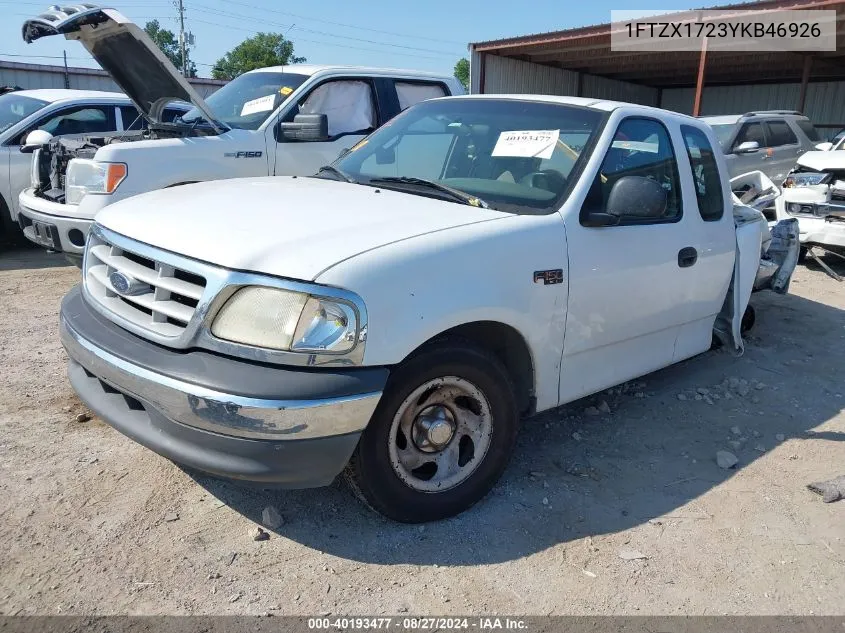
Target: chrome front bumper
226,414
290,442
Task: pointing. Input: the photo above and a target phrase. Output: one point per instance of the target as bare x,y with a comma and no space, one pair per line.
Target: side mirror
749,147
824,147
306,127
34,140
633,197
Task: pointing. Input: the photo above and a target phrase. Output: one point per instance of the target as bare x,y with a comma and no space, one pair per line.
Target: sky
428,35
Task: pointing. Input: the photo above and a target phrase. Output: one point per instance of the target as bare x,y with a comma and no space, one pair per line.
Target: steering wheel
547,179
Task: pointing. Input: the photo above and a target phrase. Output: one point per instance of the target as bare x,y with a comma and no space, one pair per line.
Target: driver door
351,108
628,283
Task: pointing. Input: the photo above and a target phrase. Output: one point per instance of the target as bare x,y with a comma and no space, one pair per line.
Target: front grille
164,299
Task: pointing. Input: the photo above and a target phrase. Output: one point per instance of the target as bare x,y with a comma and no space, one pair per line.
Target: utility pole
182,39
67,74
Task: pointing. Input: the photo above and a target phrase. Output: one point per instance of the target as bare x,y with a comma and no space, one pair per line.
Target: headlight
86,176
802,179
34,170
284,320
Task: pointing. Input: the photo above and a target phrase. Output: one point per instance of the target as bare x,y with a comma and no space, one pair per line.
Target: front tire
440,437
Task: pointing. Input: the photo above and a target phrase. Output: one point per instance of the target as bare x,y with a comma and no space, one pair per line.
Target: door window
132,119
809,130
641,147
705,174
779,134
411,93
750,132
80,120
347,103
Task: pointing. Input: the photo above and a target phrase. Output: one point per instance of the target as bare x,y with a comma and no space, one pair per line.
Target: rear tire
749,318
440,437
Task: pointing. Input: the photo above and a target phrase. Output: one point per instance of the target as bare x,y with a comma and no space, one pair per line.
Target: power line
302,39
357,28
224,14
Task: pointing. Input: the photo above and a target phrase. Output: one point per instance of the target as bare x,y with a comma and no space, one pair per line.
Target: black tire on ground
802,254
749,318
371,474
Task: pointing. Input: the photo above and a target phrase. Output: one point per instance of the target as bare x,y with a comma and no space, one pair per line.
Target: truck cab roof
55,95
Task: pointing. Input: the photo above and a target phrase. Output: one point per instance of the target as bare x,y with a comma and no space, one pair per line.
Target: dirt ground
623,512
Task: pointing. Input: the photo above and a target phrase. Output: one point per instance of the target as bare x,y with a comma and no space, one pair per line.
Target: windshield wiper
335,171
455,194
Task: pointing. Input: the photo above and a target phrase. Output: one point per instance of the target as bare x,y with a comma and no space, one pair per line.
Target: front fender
156,164
415,289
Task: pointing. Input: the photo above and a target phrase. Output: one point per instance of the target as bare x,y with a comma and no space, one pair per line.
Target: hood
124,50
288,227
823,161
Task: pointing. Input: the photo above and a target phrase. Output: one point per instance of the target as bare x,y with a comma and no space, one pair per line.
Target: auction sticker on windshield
262,104
527,143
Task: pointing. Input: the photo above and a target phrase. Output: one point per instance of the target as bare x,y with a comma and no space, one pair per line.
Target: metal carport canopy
588,50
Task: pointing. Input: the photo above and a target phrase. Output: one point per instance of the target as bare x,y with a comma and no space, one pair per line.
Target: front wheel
440,437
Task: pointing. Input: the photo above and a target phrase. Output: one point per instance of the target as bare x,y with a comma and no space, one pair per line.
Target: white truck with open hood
285,120
475,260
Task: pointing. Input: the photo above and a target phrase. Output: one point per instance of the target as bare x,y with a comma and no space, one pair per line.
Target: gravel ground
618,512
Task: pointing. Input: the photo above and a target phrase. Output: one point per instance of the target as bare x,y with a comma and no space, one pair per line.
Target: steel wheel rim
418,454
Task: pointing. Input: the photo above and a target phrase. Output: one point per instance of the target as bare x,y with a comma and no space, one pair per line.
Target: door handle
687,257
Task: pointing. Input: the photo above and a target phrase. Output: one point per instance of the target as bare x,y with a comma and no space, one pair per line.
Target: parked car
287,120
769,141
475,260
56,112
814,194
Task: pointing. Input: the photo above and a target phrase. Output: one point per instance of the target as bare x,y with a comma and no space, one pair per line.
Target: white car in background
56,112
284,120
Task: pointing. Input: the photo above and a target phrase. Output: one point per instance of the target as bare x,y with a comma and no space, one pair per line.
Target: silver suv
769,141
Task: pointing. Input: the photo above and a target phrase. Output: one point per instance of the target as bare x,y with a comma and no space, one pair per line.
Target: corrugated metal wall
825,100
31,76
505,75
614,90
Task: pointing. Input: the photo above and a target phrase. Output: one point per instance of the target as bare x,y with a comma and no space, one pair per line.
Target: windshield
517,156
247,101
15,108
723,133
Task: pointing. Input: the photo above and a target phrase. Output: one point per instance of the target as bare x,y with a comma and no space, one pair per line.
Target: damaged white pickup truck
814,194
475,260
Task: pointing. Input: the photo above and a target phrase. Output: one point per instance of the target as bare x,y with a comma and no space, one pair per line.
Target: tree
260,51
169,45
462,72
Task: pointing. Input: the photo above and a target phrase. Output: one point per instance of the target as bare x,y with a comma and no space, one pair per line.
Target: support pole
67,74
805,79
182,39
699,84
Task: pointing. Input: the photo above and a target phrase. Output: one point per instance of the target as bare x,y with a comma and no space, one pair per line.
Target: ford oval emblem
124,284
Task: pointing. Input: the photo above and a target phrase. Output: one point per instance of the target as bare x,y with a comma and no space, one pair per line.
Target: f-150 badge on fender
548,277
257,154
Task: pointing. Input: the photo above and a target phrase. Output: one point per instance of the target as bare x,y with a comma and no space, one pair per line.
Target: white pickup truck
475,260
284,120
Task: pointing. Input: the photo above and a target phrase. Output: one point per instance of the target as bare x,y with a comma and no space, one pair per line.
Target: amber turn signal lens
115,174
